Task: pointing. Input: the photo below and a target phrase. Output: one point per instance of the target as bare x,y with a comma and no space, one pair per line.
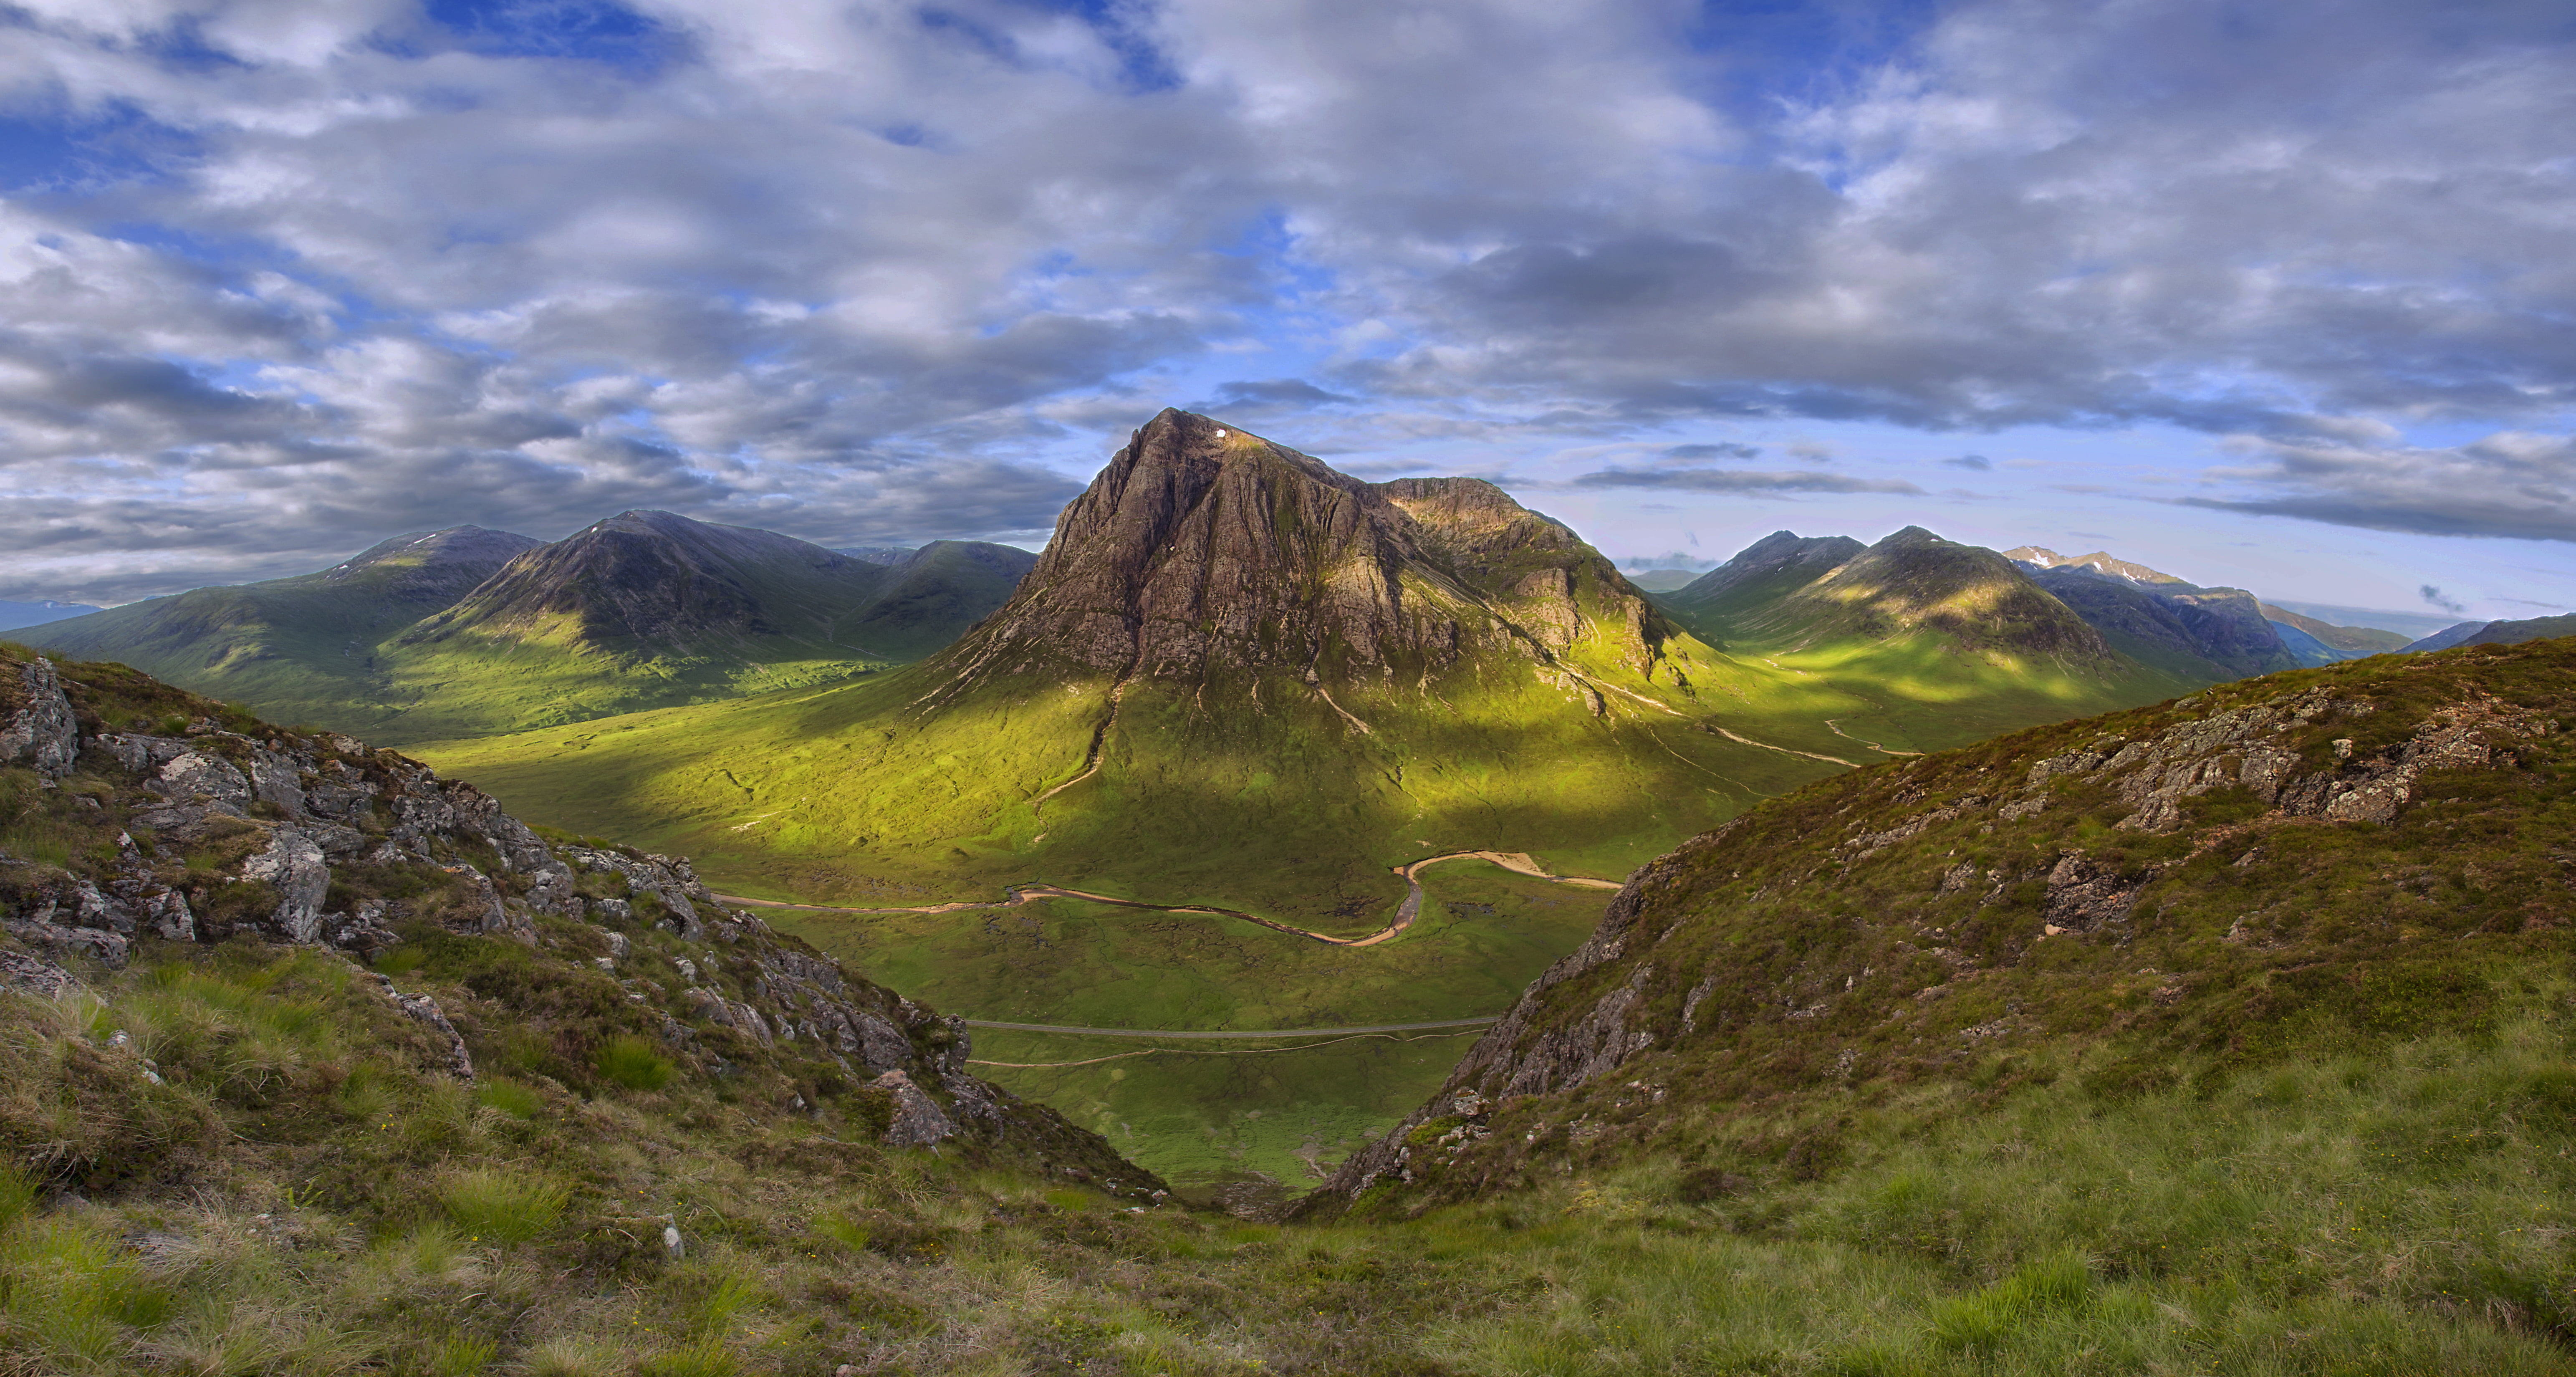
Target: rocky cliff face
243,830
1203,547
2172,882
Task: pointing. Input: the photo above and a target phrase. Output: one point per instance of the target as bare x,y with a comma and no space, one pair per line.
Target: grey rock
210,780
44,732
918,1120
295,865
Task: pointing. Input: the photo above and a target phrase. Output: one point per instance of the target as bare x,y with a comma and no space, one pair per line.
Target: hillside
465,632
307,648
1929,643
1235,677
2495,633
2349,642
383,1027
2300,1120
2263,988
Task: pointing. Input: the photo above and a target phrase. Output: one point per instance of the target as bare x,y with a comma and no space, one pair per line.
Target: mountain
2496,633
1768,569
939,591
2347,642
1234,674
877,554
468,631
2412,625
2100,562
306,648
1662,580
2008,1011
1929,643
17,614
2197,634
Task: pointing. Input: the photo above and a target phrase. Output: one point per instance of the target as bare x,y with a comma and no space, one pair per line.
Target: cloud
1745,482
1677,559
1978,462
2511,483
2437,598
1274,393
278,278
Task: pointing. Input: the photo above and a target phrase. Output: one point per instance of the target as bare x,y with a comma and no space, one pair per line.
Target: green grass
1196,1116
502,1204
632,1062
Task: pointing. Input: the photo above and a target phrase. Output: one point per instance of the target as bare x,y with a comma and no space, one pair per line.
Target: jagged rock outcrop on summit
1202,548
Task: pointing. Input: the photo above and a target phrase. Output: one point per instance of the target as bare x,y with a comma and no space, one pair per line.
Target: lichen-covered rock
41,729
918,1121
302,876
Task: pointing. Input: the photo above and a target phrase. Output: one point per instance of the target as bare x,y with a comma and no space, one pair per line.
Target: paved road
1273,1033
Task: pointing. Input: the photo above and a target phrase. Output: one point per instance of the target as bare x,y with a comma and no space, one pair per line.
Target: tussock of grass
631,1061
502,1204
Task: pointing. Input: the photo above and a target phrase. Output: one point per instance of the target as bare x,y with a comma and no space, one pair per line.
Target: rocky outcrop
1205,548
281,815
40,728
1897,916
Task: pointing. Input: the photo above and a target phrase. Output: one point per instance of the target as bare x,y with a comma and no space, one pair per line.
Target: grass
2387,1208
1204,1116
502,1204
632,1062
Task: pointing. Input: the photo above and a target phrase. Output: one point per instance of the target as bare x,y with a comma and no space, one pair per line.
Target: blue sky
2270,295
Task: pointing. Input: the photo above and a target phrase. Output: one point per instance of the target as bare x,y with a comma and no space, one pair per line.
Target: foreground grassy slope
299,1187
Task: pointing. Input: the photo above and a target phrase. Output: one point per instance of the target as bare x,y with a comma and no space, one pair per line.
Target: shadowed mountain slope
2349,642
1237,674
306,648
2496,633
468,631
2197,634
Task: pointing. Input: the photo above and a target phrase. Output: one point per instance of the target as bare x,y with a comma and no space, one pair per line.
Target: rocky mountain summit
170,820
1203,549
2163,892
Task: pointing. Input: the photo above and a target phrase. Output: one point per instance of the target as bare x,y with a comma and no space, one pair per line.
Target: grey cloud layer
856,274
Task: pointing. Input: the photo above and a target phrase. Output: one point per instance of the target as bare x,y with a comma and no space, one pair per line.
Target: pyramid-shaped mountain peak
1202,548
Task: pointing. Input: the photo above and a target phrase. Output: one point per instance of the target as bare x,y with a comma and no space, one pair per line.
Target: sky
2276,295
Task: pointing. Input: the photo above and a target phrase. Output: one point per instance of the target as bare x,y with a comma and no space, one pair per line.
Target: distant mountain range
2497,633
470,631
14,615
